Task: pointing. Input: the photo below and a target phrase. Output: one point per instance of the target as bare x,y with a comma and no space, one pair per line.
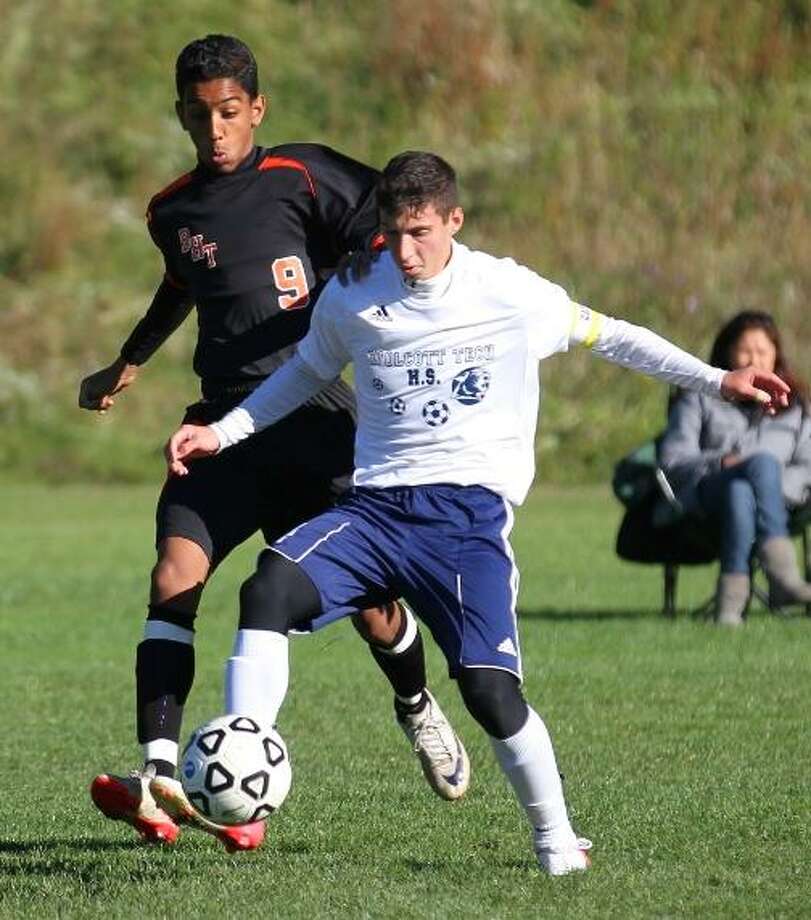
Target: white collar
436,285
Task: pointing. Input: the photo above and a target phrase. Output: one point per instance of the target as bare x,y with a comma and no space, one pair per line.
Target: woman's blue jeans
746,502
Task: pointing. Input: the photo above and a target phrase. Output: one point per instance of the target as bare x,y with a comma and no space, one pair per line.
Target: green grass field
685,749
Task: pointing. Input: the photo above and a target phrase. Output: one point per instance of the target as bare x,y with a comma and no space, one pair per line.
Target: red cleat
242,837
127,798
169,795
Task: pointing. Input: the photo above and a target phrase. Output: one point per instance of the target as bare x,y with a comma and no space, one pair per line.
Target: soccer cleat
441,754
169,794
127,798
563,860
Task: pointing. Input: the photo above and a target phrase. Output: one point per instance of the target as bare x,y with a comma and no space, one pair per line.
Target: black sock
410,709
406,671
164,672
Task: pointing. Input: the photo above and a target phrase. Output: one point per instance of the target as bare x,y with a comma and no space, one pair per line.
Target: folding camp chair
656,530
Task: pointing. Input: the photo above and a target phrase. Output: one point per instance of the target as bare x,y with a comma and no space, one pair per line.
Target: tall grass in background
652,157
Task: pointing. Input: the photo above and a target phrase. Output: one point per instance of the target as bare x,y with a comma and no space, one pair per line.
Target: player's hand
355,266
748,384
97,390
188,443
729,460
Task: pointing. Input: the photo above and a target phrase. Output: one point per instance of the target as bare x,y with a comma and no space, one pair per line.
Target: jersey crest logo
470,385
194,245
435,413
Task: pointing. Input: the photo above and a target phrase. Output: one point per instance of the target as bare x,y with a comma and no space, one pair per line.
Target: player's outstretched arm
188,443
97,390
642,350
748,384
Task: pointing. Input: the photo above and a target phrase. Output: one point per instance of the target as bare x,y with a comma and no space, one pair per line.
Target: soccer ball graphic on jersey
470,385
235,770
435,412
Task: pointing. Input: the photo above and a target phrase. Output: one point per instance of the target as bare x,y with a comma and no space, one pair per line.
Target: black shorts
274,480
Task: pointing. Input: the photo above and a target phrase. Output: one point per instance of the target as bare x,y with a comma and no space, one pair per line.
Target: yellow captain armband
586,325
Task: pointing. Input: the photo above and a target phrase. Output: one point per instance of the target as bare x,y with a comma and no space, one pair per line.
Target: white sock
256,674
528,760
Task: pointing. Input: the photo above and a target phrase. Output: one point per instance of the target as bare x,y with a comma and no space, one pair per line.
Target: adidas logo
507,646
382,314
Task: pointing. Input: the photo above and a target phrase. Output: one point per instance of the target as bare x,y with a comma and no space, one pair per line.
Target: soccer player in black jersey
248,236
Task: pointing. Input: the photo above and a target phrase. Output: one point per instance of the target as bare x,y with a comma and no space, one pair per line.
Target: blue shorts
444,548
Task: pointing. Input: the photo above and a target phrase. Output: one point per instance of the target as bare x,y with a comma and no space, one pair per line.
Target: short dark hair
217,57
414,179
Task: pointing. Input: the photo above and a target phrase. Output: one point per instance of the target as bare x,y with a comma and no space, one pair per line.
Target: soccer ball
235,770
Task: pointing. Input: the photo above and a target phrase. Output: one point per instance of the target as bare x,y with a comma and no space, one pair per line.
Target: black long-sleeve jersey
251,249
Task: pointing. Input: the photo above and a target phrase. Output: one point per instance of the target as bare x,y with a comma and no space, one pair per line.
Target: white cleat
441,754
566,859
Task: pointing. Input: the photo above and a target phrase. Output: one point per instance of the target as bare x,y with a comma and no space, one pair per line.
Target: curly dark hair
217,57
734,328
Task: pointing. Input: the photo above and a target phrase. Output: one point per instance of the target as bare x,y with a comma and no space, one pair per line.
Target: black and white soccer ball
235,770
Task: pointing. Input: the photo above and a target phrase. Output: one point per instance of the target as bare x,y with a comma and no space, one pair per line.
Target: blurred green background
650,156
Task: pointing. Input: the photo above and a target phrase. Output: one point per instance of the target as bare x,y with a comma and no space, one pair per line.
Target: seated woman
743,469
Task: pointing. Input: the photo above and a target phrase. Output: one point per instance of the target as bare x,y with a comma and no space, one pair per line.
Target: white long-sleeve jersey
446,370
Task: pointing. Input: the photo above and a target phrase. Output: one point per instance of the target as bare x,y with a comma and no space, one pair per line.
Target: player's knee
278,596
381,625
262,603
163,613
494,699
178,583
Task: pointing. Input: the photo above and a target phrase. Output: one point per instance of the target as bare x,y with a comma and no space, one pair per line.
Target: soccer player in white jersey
445,343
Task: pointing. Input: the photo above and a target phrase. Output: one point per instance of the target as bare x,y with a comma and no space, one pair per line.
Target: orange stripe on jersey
287,163
170,189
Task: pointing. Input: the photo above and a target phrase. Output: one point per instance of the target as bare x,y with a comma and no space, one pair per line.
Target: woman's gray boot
786,585
731,599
